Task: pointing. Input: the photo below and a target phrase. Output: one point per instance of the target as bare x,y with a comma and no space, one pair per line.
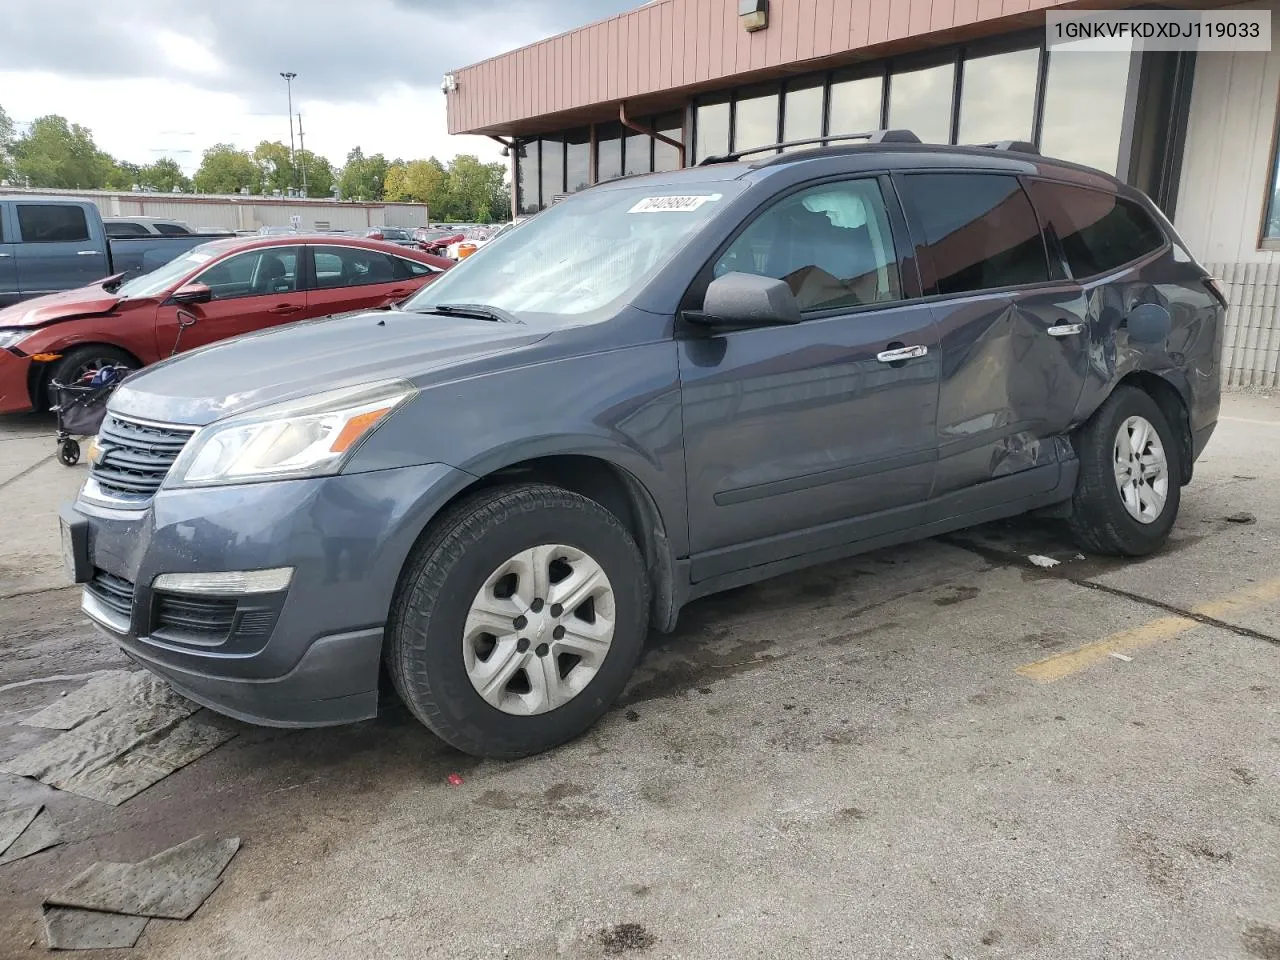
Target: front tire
77,363
1130,484
518,621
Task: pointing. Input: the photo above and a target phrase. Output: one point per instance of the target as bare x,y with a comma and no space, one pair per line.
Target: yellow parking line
1165,628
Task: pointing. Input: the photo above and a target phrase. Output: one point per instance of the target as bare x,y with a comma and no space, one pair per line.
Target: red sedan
229,286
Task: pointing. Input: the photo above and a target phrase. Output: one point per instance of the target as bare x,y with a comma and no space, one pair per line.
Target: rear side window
831,244
407,269
52,223
172,229
352,267
973,232
1097,231
126,229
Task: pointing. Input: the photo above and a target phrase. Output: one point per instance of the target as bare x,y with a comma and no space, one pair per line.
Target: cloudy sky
153,78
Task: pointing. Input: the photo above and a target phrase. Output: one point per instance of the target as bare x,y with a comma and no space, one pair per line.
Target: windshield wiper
481,311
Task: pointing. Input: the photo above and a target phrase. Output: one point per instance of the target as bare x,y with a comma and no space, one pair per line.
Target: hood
81,302
298,360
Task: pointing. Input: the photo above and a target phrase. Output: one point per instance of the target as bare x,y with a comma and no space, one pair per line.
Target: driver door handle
1066,330
899,354
285,308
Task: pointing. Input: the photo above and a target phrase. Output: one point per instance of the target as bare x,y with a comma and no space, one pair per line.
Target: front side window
349,267
832,244
973,231
52,223
256,273
1097,231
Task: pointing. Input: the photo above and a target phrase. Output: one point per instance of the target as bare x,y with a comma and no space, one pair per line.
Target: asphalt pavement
941,750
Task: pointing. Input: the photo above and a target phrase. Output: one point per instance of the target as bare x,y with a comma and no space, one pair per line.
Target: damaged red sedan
222,289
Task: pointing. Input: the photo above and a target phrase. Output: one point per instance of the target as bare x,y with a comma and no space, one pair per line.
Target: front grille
134,458
112,592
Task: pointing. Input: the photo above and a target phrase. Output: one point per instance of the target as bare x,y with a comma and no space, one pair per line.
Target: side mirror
192,293
746,300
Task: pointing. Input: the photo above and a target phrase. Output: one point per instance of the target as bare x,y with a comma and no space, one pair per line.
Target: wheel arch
38,374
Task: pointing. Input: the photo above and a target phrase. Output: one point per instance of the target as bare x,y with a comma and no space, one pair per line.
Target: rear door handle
86,253
899,354
285,308
1066,330
3,255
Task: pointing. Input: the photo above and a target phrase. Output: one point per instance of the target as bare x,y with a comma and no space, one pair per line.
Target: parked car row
216,290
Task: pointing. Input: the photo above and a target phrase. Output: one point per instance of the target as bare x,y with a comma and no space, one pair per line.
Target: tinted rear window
1097,231
51,223
126,230
172,229
973,231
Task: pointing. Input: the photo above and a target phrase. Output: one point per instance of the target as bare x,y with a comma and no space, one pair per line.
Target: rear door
57,248
1014,352
353,278
804,437
253,290
9,290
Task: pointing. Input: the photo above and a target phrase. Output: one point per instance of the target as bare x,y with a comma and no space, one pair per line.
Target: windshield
582,253
160,279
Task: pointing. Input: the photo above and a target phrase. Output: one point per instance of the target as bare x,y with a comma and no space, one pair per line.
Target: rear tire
546,672
1129,489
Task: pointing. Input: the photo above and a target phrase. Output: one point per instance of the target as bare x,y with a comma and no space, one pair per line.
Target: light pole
288,79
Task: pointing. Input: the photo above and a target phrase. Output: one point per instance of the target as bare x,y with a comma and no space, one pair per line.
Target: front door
805,437
9,290
56,249
1014,349
251,291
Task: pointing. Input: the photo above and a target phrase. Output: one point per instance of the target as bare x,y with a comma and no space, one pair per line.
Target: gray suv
659,388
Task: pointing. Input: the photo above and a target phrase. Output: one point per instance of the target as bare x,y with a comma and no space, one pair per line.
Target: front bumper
312,657
14,371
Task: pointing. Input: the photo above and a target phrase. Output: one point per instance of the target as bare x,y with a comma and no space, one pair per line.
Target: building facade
675,81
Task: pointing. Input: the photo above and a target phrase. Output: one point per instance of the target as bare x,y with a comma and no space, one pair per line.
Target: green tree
363,178
124,175
58,154
473,189
6,146
164,175
420,181
319,171
275,166
225,169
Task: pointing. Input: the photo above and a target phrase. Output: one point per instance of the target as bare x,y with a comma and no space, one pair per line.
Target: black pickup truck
49,244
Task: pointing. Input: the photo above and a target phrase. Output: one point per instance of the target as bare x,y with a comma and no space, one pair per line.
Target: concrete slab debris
14,822
146,733
172,884
41,834
90,930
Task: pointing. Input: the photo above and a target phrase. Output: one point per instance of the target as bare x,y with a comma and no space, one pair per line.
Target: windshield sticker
672,204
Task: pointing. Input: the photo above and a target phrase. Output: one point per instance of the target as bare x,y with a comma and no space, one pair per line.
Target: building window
998,97
856,103
920,101
1084,107
577,154
802,111
755,118
637,153
711,123
665,156
552,170
527,178
1271,228
608,151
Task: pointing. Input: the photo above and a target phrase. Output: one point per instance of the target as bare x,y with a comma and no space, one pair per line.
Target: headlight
9,337
310,437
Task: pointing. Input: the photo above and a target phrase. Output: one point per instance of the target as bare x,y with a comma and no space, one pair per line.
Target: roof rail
1017,146
870,136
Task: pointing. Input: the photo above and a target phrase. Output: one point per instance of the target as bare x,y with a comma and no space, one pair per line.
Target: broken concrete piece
41,834
109,690
118,754
14,822
172,884
89,930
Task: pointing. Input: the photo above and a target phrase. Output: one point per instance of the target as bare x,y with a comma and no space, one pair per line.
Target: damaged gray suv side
658,388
